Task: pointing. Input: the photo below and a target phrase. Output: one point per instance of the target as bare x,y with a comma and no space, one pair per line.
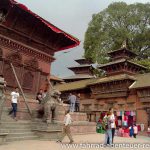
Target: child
148,129
135,130
131,131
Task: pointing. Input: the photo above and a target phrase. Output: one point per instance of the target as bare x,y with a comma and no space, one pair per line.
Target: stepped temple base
42,130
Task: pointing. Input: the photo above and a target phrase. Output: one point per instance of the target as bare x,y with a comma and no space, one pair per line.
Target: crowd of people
74,101
108,122
133,130
109,125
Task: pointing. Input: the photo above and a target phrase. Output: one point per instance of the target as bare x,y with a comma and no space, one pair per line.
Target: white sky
73,17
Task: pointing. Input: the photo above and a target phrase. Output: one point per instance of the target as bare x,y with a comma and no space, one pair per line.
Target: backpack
105,123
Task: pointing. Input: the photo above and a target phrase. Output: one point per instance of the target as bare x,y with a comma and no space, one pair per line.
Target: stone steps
12,135
21,138
17,130
14,130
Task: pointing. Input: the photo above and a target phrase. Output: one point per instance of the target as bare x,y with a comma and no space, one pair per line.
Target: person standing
113,124
44,94
66,128
131,131
135,130
107,127
39,96
77,104
72,99
14,101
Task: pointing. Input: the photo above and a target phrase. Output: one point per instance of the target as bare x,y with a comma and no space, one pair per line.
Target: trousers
66,131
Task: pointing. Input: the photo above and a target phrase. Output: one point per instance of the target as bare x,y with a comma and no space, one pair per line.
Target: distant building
55,80
83,71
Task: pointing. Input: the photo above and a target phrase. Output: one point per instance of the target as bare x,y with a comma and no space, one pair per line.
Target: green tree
109,28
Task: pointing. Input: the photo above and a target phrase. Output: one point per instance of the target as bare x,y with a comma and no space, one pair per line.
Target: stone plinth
3,138
44,131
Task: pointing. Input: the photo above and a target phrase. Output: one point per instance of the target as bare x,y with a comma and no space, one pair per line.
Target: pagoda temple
121,62
82,71
29,42
27,47
125,87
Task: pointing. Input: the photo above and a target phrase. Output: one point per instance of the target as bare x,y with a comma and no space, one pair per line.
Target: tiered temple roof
121,62
46,32
83,61
142,81
82,71
29,42
121,74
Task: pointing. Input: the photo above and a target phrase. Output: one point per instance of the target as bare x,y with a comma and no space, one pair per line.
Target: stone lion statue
50,102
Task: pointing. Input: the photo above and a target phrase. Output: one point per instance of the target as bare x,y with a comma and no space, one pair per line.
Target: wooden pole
20,88
1,105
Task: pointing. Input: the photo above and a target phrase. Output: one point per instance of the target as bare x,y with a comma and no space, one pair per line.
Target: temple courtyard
89,141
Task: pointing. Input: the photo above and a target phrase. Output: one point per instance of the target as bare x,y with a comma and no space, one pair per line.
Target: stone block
3,138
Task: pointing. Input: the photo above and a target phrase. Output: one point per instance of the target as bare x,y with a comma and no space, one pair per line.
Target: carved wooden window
9,77
131,105
87,107
15,57
28,80
120,106
33,63
96,106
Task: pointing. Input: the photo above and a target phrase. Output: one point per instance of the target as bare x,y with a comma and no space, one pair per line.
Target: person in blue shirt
131,131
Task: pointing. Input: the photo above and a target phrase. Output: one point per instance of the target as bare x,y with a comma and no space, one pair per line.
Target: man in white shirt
14,101
66,128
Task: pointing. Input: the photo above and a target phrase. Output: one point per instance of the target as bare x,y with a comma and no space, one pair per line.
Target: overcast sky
73,17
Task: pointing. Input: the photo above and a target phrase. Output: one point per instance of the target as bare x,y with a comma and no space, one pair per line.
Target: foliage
144,62
109,28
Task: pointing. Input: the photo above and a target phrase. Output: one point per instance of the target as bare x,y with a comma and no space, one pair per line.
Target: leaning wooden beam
2,97
1,106
20,88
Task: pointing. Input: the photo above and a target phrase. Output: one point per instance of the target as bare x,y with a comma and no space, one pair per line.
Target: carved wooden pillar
148,113
1,66
1,61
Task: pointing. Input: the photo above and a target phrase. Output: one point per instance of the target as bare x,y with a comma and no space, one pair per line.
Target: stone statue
50,102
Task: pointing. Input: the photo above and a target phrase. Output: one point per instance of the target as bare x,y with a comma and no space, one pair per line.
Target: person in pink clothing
135,128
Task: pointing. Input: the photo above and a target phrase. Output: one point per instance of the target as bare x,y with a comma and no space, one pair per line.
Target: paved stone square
79,139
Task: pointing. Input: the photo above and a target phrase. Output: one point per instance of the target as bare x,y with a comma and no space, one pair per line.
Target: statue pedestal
45,131
53,131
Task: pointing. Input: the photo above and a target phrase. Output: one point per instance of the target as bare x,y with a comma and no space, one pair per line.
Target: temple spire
124,44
